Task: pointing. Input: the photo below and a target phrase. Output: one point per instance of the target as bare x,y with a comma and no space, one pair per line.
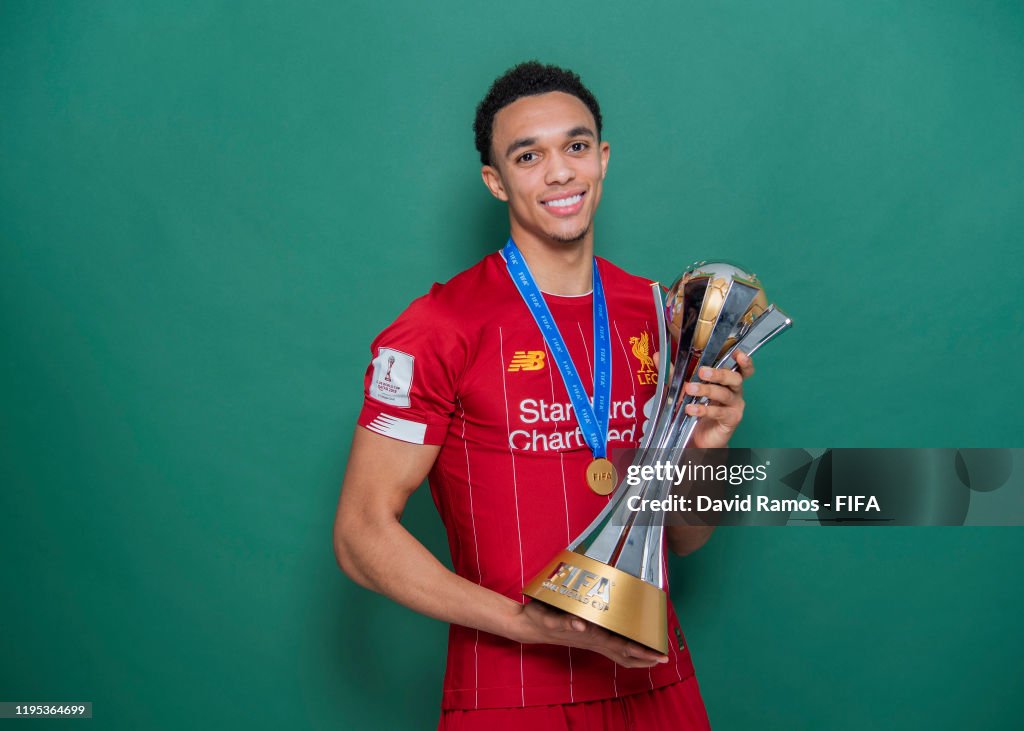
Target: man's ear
492,179
606,151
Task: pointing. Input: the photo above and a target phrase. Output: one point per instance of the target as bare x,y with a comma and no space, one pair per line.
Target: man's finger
634,656
724,376
728,417
745,362
642,653
719,394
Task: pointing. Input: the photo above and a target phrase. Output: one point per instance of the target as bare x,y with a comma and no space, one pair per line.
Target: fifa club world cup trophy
613,574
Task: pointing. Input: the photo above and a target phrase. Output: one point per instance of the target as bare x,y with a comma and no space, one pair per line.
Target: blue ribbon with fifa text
592,417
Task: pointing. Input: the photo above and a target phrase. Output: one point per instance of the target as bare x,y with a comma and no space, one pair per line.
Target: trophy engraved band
613,573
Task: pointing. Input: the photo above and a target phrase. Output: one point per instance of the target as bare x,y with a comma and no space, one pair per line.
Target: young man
467,387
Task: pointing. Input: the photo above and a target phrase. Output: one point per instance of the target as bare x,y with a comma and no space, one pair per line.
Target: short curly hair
526,79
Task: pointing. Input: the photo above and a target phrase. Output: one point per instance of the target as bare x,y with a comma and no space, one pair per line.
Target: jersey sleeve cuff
401,428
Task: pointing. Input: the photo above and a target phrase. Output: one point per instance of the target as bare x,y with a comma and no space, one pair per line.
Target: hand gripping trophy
613,574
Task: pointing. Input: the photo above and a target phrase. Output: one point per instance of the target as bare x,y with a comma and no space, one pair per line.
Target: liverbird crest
642,350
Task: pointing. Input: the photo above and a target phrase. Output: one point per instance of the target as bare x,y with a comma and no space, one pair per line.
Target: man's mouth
565,206
565,202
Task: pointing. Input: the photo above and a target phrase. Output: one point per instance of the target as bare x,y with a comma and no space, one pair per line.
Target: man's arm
717,421
377,552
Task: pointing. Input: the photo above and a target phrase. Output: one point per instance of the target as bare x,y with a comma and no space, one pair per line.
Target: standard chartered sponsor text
538,414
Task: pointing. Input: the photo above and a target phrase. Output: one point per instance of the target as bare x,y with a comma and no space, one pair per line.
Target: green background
207,210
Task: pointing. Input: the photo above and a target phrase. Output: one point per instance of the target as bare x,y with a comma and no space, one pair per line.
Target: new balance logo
526,360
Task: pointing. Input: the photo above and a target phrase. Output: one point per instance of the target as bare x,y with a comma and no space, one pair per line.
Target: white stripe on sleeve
403,429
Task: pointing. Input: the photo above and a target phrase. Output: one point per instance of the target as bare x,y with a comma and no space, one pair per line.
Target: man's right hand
539,623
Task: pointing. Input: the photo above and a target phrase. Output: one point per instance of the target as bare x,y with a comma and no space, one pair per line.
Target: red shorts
677,706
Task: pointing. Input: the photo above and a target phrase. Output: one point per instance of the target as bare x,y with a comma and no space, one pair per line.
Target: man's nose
559,171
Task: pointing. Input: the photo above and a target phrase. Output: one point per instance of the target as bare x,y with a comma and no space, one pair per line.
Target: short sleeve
410,385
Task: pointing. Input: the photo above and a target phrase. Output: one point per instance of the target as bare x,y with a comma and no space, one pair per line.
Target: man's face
548,165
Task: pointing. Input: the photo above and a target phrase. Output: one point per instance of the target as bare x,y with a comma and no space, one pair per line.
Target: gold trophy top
695,300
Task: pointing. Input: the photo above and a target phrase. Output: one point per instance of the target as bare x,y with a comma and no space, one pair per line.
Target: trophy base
610,598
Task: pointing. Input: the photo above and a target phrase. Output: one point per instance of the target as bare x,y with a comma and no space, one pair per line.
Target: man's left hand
724,389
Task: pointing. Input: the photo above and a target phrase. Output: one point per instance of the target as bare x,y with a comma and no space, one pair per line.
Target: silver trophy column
712,310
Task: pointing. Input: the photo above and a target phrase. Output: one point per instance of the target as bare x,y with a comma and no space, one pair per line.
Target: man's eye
578,146
527,157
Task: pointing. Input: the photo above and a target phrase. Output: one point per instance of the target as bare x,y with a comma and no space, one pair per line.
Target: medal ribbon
592,417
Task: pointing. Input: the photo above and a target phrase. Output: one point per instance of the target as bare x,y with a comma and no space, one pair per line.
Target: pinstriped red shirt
466,367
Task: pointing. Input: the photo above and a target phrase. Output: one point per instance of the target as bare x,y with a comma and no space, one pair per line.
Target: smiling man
486,385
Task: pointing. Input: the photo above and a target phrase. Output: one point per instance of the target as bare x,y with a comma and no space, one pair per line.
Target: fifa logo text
584,586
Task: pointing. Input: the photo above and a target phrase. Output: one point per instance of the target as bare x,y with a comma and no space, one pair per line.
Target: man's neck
558,267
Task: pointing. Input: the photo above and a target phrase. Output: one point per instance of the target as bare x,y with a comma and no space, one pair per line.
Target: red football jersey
466,367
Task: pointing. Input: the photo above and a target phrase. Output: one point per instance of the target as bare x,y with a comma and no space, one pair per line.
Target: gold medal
601,476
